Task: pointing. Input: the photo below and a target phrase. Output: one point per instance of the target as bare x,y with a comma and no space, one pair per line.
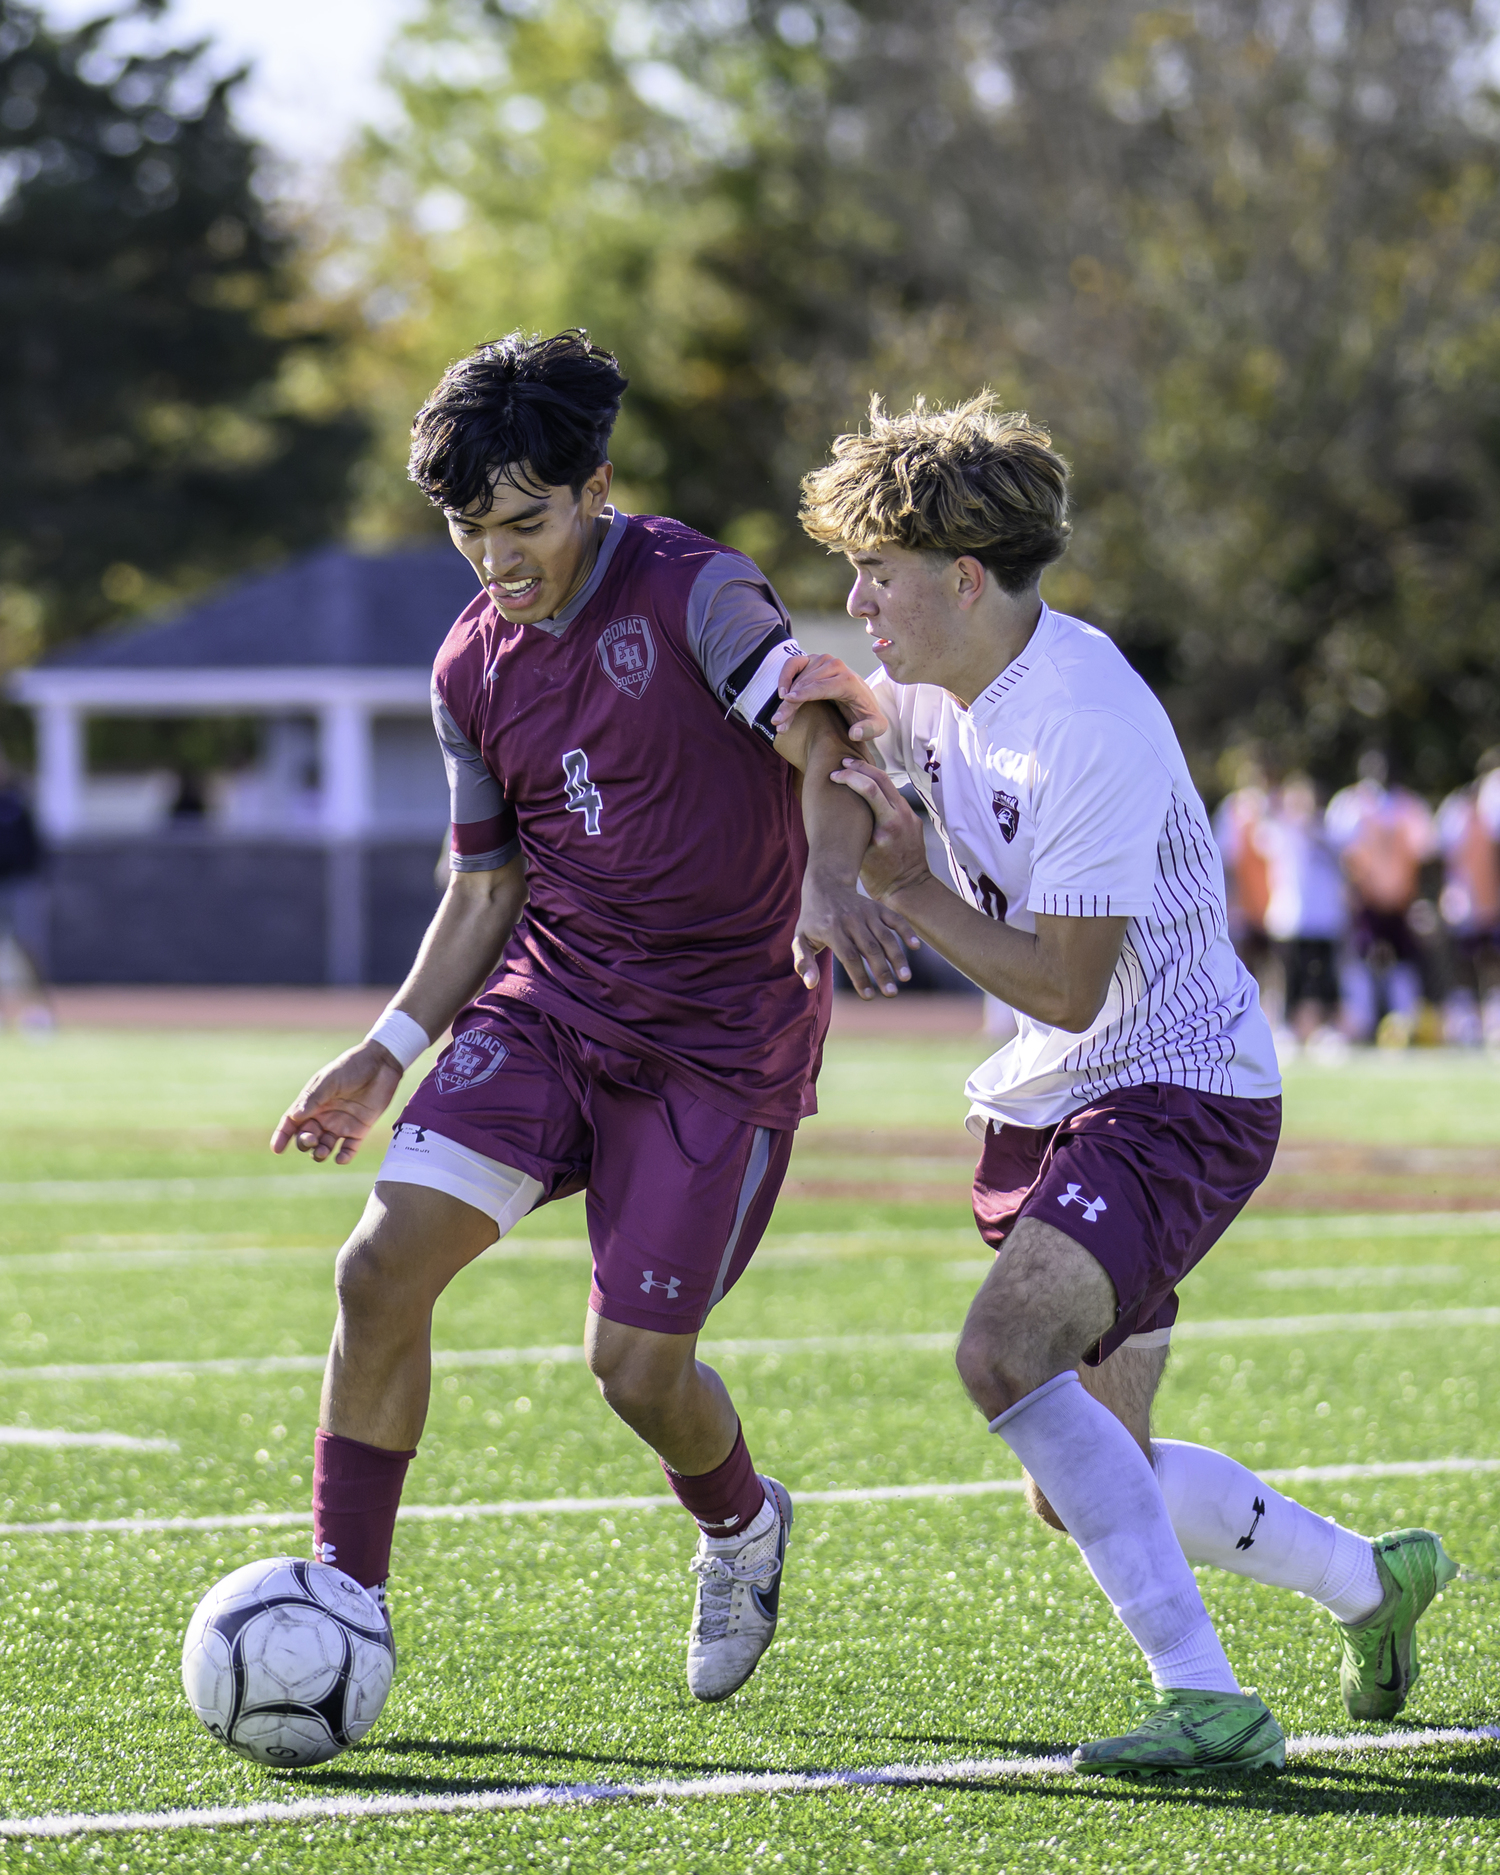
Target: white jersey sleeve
892,751
1102,795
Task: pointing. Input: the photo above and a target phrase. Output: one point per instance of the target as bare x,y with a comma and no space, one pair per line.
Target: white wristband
404,1037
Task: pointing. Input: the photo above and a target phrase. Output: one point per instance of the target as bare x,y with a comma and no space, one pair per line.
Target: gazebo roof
333,610
333,628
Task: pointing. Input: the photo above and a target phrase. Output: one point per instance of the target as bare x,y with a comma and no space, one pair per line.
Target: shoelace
717,1576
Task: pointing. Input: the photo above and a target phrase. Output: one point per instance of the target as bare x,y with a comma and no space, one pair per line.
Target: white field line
1234,1328
1362,1275
120,1441
63,1262
739,1784
608,1506
144,1253
155,1190
1368,1224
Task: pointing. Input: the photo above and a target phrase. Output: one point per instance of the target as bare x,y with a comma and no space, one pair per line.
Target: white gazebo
334,652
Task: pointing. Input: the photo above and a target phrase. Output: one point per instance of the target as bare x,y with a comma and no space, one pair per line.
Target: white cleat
739,1596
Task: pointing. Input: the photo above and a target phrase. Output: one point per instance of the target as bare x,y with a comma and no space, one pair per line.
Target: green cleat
1379,1667
1191,1734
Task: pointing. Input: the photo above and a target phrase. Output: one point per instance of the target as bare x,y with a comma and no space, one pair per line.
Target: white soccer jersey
1063,790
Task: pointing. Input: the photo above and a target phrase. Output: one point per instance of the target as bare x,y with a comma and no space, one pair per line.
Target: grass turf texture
548,1648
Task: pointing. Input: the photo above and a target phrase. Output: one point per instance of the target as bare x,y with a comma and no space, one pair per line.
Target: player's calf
683,1410
1037,1504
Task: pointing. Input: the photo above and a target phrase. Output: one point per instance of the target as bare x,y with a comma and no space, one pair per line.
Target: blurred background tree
1240,254
164,418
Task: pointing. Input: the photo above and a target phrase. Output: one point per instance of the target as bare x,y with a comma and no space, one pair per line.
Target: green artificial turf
547,1648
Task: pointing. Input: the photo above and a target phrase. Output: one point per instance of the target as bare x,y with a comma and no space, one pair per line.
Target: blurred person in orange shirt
1247,885
1468,829
1384,836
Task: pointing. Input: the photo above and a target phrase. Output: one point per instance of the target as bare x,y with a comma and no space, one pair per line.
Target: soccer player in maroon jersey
644,871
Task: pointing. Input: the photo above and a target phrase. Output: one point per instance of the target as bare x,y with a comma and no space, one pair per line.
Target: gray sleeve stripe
485,862
730,612
473,792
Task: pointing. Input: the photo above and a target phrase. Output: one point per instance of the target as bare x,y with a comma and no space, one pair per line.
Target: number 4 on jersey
583,797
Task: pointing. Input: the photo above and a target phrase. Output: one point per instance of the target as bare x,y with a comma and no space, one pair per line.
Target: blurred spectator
23,909
1246,881
1383,836
1307,909
1468,828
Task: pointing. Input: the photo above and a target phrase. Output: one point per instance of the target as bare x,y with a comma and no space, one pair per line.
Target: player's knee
632,1392
635,1382
992,1367
974,1359
372,1278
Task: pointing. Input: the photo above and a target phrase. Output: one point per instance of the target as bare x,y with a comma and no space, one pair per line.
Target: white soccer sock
757,1526
1099,1482
1225,1515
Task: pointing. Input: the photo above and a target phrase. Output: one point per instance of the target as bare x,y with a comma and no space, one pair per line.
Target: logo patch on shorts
474,1058
628,653
1091,1206
649,1282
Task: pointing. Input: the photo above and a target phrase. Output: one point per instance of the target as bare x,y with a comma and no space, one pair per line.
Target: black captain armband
751,689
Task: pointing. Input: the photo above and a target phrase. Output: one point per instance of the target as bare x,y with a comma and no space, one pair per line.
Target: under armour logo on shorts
1091,1206
649,1282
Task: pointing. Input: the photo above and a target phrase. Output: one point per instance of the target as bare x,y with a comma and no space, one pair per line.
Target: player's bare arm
1060,974
867,938
344,1099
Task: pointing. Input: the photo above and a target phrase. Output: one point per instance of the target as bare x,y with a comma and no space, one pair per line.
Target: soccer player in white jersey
1137,1107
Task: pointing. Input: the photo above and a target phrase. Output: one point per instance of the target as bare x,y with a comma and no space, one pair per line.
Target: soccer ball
287,1662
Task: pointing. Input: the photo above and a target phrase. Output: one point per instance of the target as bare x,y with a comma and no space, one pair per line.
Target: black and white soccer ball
287,1662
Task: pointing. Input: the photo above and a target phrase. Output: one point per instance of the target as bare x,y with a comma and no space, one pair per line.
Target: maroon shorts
1147,1179
679,1194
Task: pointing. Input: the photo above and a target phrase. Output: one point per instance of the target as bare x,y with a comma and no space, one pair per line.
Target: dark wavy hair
537,412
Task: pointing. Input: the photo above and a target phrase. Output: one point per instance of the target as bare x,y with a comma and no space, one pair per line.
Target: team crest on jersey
628,653
475,1056
1008,813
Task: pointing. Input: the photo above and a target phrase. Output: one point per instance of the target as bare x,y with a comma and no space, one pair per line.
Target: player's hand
868,939
820,678
896,857
340,1104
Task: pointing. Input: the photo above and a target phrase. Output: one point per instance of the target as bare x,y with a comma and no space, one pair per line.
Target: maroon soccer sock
356,1492
724,1500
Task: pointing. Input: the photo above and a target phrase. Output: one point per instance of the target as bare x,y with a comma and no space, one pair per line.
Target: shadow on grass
1441,1785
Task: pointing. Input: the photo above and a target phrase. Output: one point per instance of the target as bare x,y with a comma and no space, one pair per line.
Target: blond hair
970,480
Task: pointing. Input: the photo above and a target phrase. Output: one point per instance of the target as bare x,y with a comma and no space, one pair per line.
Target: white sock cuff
1066,1378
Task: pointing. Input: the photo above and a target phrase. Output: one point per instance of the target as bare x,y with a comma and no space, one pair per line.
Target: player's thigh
679,1195
407,1247
1126,1383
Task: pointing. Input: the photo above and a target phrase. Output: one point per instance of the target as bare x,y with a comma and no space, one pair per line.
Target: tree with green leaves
160,399
1240,256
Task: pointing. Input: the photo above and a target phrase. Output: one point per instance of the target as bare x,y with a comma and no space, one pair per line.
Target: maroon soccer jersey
663,836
